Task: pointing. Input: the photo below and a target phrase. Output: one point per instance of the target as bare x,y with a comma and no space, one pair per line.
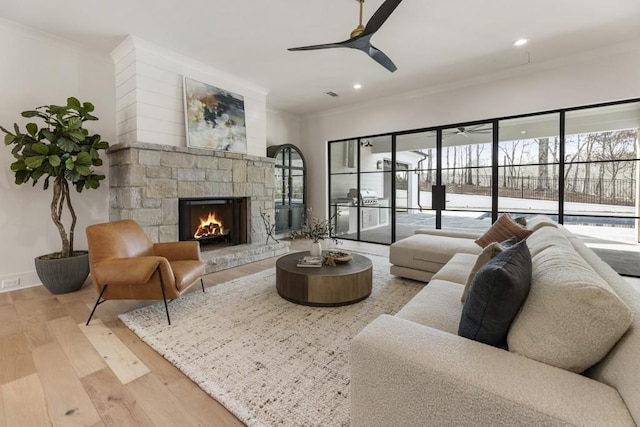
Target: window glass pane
466,167
344,155
601,174
415,171
297,186
373,152
296,160
528,165
280,190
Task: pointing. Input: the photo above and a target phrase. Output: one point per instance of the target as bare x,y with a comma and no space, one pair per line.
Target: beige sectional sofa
565,363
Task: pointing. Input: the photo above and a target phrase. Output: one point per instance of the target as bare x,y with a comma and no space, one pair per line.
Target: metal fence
619,192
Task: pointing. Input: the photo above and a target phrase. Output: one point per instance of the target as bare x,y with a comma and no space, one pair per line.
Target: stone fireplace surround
146,180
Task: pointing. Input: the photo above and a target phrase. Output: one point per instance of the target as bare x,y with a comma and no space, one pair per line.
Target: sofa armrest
449,233
404,373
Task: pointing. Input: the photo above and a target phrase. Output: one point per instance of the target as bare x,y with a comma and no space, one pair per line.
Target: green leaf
32,128
67,145
74,123
40,148
73,103
18,166
54,161
31,113
88,107
22,176
88,116
9,139
34,162
49,136
83,159
83,170
97,162
93,181
46,183
77,134
69,164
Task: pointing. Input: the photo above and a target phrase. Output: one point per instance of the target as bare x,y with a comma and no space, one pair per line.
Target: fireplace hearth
214,222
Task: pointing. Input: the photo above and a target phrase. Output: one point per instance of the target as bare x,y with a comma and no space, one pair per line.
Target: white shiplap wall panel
161,113
161,138
158,115
160,126
126,113
157,86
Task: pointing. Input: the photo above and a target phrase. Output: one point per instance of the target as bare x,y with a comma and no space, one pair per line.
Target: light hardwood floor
56,371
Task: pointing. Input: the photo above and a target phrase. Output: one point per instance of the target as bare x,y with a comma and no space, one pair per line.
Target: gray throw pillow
498,291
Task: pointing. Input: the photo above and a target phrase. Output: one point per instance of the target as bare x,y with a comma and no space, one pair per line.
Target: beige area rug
267,360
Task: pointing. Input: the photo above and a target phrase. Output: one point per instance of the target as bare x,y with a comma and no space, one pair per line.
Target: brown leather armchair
125,264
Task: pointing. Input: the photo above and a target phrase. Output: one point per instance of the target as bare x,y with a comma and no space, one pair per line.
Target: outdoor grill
367,197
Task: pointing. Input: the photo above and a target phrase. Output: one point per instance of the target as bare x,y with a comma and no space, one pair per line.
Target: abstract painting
214,117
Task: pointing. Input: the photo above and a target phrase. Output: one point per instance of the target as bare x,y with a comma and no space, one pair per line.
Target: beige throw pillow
503,229
490,251
571,318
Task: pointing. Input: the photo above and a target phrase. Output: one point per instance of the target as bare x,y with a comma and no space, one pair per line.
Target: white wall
37,70
149,95
586,79
282,128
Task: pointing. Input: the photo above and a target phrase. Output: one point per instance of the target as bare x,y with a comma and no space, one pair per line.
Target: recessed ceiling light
523,132
357,86
520,42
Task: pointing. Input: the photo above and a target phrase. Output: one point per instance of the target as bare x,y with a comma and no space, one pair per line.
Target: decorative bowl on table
336,257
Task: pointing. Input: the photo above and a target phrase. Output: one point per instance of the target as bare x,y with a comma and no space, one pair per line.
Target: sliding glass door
579,166
467,171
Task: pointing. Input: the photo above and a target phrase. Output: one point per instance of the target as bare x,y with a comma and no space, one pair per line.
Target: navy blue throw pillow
497,292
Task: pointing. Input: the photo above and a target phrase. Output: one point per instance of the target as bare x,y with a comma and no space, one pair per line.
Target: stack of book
310,261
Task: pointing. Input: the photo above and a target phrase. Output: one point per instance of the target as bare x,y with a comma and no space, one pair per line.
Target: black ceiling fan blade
381,58
320,46
380,16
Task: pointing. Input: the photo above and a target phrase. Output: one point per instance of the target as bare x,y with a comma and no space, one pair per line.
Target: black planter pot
63,275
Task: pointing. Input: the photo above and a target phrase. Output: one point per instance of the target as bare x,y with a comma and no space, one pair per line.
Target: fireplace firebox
213,222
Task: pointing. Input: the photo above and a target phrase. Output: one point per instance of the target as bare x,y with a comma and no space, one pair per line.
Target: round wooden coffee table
325,286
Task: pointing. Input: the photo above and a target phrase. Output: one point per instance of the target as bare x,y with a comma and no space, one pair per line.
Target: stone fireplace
147,182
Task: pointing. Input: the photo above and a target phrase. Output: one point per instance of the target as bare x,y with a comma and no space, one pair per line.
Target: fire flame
209,226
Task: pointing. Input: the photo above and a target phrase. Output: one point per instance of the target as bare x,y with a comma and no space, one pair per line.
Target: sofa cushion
572,317
496,294
458,269
429,252
437,306
546,237
493,249
490,251
539,221
503,229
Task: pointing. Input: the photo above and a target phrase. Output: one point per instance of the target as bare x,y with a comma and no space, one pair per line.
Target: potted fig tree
61,153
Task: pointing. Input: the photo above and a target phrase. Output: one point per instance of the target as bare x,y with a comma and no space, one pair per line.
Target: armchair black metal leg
98,302
202,283
164,298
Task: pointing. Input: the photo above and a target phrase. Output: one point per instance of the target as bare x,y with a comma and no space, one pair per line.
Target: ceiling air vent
333,94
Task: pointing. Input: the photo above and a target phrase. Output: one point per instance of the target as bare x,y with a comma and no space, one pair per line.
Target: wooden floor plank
117,407
81,354
154,396
120,359
3,420
73,407
5,298
9,320
24,402
15,358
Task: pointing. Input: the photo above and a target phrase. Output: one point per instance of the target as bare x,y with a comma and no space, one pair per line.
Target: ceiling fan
361,35
466,131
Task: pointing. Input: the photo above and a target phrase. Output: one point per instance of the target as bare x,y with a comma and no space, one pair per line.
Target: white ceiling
432,43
